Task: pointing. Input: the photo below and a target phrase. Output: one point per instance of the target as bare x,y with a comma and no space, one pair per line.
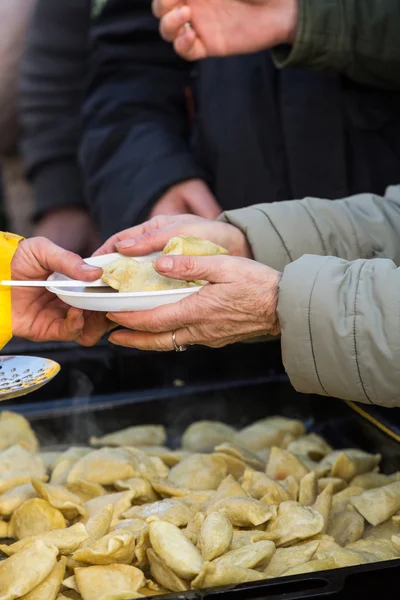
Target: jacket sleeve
340,328
359,38
136,127
8,245
52,79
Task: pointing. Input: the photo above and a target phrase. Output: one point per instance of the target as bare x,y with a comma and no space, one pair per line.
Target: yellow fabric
8,245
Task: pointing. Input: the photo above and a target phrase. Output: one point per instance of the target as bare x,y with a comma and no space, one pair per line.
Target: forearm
339,326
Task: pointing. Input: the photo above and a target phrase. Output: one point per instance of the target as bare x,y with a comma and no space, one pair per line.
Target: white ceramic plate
107,300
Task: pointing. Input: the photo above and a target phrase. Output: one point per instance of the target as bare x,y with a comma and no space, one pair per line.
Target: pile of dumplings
127,517
130,275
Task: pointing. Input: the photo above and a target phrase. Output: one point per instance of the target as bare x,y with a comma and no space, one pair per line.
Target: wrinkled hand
37,314
239,303
153,235
189,197
225,27
71,228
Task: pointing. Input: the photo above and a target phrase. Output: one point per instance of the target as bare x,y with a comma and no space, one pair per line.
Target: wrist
271,314
287,22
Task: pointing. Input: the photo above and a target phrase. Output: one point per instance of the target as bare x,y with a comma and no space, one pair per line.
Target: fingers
189,46
173,21
161,7
160,342
215,269
68,329
51,258
95,326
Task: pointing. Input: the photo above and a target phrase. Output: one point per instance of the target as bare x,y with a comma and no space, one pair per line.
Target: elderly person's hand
225,27
154,234
239,303
37,314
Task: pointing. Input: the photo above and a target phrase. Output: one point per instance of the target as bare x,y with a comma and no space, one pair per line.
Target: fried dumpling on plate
137,435
199,472
65,463
15,429
14,497
371,480
104,466
192,246
173,547
282,463
109,582
170,509
120,502
308,489
378,504
244,512
86,490
115,547
22,572
203,436
215,535
143,490
50,586
312,445
214,574
35,516
164,575
59,497
114,272
146,279
293,523
66,540
288,558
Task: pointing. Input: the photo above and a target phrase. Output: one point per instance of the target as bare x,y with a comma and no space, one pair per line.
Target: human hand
204,28
188,197
239,303
153,235
37,314
71,228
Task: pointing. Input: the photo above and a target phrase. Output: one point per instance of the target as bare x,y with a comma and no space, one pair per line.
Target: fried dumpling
191,246
148,467
203,436
396,519
282,463
114,272
143,490
164,575
35,516
50,586
86,490
229,488
104,466
59,497
292,486
15,429
311,445
199,472
294,522
215,535
383,531
243,537
17,458
109,582
135,526
167,488
99,524
65,463
244,512
138,435
345,526
173,547
308,489
368,481
337,484
293,426
259,436
378,504
288,558
50,458
24,571
146,279
14,497
66,540
115,547
380,549
323,504
171,510
323,564
193,528
120,502
168,456
250,459
213,574
346,464
250,556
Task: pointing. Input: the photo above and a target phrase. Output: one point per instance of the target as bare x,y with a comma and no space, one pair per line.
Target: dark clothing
52,81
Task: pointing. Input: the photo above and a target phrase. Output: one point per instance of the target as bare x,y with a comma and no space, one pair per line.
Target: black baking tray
67,421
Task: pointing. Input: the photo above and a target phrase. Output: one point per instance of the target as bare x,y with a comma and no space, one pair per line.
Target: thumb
51,257
215,269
